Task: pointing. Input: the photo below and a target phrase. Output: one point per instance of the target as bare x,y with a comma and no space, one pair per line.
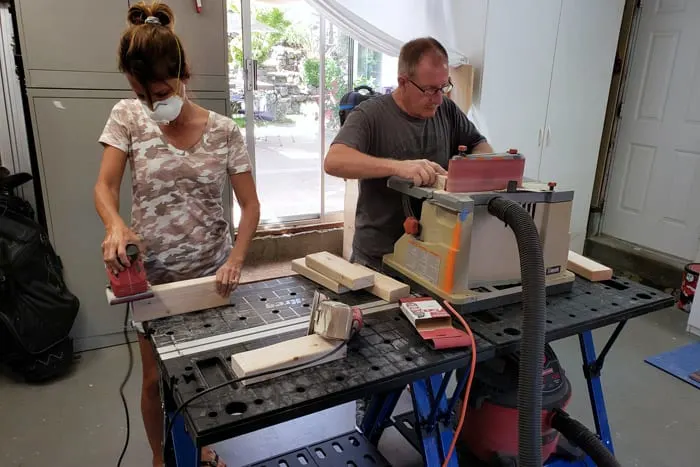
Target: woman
180,155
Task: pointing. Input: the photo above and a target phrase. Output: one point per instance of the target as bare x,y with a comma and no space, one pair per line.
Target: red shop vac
517,418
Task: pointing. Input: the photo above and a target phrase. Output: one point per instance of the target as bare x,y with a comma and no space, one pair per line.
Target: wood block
282,355
587,268
340,270
387,288
440,182
299,266
179,297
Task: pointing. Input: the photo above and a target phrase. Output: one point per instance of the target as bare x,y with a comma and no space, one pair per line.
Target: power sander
130,284
333,320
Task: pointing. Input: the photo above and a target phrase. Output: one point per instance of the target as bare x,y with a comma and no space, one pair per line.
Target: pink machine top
468,173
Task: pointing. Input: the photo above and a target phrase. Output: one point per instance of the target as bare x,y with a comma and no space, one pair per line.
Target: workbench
194,353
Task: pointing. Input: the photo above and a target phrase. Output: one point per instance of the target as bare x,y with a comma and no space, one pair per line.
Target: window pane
337,56
285,43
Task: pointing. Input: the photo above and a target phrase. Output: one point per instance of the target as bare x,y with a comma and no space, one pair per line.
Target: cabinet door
71,36
585,54
518,58
67,129
73,43
205,42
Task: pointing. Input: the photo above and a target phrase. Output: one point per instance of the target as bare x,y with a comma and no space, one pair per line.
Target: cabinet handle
548,135
539,137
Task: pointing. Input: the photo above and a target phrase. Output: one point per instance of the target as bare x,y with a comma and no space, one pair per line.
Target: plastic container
484,172
688,285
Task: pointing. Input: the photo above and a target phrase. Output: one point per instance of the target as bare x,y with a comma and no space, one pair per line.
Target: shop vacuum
516,415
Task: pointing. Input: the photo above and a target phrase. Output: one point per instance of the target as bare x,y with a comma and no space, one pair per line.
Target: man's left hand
227,278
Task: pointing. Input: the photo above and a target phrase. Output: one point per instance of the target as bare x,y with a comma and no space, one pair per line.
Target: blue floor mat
680,362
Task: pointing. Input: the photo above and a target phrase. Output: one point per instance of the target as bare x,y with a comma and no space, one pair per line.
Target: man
411,133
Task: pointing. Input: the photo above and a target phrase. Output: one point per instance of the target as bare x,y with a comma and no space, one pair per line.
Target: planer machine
460,252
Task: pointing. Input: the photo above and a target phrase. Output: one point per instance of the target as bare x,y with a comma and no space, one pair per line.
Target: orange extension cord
463,414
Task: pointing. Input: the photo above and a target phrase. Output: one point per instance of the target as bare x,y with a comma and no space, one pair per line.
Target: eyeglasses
432,91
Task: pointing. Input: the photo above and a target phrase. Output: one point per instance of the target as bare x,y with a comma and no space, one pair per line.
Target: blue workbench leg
186,454
378,413
433,419
592,367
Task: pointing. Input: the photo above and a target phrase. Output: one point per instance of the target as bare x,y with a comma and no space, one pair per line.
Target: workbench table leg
378,414
433,417
592,366
185,452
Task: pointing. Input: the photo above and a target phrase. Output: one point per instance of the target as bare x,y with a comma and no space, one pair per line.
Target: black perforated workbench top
387,354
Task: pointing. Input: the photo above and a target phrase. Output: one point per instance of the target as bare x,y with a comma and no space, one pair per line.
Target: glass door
275,91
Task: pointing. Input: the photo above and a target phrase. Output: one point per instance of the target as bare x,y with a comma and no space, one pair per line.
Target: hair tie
152,20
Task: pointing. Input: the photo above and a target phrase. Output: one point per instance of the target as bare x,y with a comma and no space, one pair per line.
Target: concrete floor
79,420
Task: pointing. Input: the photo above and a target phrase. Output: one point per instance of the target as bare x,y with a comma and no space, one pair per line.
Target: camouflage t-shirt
177,195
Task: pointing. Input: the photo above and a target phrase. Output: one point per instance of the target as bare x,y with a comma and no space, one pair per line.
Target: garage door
654,193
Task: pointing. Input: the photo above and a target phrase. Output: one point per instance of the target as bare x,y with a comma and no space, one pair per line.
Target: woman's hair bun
139,12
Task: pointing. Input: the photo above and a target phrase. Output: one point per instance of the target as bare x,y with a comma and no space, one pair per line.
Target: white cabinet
72,44
547,71
518,56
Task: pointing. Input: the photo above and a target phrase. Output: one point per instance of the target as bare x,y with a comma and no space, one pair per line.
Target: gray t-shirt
380,128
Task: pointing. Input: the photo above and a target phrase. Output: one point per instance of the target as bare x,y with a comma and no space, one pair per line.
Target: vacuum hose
532,343
582,437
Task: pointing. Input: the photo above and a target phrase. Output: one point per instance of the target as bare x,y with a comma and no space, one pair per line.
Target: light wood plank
299,266
340,270
440,182
587,268
282,355
179,297
387,288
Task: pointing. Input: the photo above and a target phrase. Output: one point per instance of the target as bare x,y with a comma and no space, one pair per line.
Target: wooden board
340,270
386,287
440,182
463,79
299,266
282,355
587,268
179,297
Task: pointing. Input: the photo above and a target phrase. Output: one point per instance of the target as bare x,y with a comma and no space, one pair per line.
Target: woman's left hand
227,278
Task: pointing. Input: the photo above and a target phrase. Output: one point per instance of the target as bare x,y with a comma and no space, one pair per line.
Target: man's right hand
422,171
114,247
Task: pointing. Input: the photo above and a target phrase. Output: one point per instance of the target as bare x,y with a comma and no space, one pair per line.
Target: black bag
352,99
37,311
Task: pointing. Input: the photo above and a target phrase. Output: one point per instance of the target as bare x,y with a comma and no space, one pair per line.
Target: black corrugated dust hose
532,341
582,437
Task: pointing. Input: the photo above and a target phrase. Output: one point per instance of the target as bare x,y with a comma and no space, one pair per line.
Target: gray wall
73,82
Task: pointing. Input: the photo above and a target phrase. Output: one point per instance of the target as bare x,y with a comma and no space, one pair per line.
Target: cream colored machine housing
464,254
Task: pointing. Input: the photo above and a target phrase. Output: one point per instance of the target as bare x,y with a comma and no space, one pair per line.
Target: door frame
627,41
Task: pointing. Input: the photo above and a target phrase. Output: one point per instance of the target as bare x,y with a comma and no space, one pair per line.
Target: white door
654,193
518,58
584,57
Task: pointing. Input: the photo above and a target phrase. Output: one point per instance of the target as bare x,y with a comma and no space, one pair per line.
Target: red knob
411,226
512,151
551,185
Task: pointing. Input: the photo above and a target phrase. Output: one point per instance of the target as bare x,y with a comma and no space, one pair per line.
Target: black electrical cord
126,379
236,380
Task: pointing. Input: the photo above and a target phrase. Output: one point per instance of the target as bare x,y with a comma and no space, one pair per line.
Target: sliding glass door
276,93
288,69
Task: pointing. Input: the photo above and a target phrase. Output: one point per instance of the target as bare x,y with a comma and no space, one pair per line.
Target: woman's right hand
114,247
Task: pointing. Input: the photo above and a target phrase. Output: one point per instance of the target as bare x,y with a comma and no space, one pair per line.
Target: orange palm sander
130,284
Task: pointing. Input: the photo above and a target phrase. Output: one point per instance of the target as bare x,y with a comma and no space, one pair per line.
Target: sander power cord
126,380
